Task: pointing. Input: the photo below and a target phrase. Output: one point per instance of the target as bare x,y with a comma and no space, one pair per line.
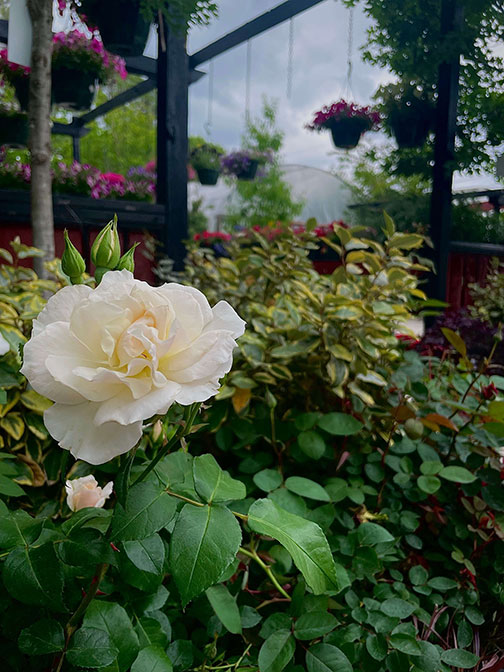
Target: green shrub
488,299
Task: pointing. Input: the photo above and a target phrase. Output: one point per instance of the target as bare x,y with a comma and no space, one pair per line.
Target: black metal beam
74,129
4,29
255,27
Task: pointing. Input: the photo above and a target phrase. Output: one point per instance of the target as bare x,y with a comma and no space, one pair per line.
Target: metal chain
350,50
247,81
209,121
290,62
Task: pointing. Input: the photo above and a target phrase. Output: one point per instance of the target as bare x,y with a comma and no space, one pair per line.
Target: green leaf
9,488
340,424
34,576
268,479
45,636
277,651
307,488
146,554
429,484
376,646
111,618
18,528
305,542
225,607
150,633
454,339
459,658
312,444
152,659
398,608
406,644
327,658
147,510
213,484
474,615
442,583
457,475
204,542
418,575
82,517
91,647
314,624
370,534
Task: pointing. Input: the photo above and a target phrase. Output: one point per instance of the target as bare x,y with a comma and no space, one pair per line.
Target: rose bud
127,261
85,492
106,250
72,263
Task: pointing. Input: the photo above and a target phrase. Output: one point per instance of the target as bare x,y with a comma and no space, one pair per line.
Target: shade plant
408,113
109,526
346,121
244,163
205,158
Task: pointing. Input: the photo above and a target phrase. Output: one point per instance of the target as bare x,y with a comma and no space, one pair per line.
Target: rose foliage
359,522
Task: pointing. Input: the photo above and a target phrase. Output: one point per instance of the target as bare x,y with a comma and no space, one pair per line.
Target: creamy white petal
60,306
74,428
4,346
124,410
209,356
55,340
225,317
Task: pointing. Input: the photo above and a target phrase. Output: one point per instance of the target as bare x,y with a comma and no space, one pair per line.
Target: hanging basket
250,171
22,89
73,89
122,27
347,132
410,126
14,130
208,176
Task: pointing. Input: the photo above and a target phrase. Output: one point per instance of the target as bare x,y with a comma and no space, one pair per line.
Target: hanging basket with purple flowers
244,163
346,121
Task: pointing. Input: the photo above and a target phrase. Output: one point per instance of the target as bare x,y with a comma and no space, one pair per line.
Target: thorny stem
267,569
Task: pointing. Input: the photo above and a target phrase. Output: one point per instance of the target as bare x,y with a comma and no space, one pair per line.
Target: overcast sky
319,67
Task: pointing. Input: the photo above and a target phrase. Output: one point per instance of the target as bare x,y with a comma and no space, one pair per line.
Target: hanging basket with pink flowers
346,121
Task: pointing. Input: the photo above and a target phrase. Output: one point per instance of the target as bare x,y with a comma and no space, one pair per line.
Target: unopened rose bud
85,492
72,263
127,261
106,249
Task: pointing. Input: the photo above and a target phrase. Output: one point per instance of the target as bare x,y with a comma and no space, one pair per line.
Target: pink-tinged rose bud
85,492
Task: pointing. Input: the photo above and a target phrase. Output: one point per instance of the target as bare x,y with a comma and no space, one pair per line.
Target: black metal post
172,144
444,149
76,148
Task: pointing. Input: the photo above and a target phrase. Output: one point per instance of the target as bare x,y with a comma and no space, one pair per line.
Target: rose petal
60,306
74,429
124,410
226,318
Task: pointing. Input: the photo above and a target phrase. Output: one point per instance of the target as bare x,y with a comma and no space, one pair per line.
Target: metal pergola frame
172,73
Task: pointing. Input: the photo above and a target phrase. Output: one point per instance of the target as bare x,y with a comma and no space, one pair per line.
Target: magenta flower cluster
344,110
83,180
75,48
10,71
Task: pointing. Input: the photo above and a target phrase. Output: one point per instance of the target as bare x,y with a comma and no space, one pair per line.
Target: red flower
489,391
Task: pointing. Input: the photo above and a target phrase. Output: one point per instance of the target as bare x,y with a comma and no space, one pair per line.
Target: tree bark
39,110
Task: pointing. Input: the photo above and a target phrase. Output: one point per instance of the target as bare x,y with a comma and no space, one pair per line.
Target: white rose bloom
4,346
116,355
85,491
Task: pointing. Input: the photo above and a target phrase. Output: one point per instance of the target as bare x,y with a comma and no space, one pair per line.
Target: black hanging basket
347,132
14,130
122,27
73,89
208,176
250,171
410,126
22,89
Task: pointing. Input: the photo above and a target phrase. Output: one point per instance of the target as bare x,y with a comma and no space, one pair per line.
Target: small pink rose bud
85,492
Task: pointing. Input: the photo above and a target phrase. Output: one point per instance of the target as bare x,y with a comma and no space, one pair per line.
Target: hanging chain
209,121
350,50
290,62
247,81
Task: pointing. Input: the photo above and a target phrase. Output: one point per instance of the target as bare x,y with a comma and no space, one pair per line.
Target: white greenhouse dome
325,195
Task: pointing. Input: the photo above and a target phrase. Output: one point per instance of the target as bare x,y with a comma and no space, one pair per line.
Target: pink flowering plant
11,72
362,115
77,50
239,162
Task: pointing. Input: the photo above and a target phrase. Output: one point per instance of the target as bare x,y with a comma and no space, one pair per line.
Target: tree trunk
39,110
